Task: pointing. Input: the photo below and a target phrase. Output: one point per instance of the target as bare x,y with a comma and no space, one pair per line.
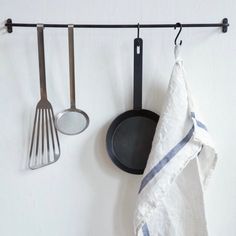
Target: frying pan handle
138,72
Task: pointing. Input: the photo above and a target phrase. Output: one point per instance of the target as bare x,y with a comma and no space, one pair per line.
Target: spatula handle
138,72
42,74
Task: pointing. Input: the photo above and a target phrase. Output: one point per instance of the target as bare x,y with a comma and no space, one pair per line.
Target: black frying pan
129,138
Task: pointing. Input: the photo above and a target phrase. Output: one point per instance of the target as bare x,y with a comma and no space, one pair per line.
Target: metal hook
138,27
178,25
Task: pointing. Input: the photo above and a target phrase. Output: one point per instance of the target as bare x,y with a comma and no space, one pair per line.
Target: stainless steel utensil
72,121
45,147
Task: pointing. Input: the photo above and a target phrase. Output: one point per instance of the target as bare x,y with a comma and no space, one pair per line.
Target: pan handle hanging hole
138,49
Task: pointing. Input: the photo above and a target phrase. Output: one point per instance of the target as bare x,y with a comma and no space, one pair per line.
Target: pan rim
112,128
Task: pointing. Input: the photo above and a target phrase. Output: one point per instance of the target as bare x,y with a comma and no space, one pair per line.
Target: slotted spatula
45,146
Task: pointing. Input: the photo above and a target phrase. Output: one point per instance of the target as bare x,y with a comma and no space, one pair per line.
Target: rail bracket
225,26
9,25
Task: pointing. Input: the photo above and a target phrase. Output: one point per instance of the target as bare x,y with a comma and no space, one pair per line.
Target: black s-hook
180,26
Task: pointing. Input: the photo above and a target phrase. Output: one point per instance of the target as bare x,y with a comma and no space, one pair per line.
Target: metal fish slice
45,146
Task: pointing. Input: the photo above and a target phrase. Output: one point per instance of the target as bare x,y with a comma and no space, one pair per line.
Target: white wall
84,194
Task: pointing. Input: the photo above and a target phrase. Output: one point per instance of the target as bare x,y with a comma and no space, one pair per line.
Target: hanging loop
180,26
138,29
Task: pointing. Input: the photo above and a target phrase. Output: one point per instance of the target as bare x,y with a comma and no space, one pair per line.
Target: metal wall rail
224,25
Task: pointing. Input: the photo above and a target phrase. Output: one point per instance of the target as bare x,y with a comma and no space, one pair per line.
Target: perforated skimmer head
72,121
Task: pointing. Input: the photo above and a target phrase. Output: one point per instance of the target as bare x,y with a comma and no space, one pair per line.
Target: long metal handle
71,65
138,71
42,74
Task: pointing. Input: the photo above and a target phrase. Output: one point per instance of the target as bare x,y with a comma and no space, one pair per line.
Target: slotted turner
45,146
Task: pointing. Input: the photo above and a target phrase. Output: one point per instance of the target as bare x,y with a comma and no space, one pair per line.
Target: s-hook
180,26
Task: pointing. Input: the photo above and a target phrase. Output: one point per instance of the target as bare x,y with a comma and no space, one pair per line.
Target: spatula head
45,146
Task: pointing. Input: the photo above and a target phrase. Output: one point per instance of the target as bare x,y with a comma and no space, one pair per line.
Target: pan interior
72,121
132,141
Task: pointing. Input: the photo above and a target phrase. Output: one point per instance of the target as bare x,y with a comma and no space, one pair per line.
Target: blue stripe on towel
193,115
199,123
166,159
145,230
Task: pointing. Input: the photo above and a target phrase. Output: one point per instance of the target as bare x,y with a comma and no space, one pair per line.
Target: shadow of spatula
45,146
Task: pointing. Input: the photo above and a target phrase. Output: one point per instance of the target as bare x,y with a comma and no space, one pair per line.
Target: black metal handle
138,73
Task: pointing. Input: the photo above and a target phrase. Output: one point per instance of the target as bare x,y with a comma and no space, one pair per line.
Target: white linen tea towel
170,200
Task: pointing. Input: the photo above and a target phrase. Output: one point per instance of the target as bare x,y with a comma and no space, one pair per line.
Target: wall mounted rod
224,25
